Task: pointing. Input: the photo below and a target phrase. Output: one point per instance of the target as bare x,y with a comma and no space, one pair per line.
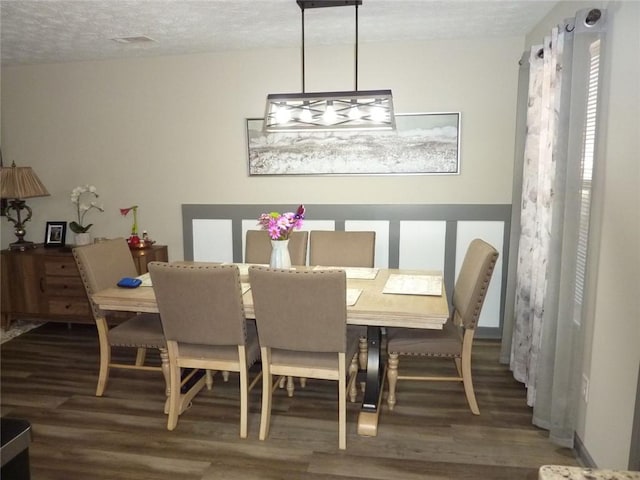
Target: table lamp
18,183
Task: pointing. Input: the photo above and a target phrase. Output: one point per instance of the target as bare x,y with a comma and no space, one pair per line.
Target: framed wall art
422,144
55,234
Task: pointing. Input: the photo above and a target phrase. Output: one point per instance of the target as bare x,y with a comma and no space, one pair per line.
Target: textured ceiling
77,30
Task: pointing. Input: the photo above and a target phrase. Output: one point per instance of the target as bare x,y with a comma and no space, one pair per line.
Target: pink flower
279,225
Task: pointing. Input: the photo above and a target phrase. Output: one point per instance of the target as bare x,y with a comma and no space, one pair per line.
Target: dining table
376,298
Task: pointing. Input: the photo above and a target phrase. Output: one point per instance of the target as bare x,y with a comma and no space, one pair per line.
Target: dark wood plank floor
49,376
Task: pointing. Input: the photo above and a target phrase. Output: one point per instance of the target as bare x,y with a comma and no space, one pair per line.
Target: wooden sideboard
45,283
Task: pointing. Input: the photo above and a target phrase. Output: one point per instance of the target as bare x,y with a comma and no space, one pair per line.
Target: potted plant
84,198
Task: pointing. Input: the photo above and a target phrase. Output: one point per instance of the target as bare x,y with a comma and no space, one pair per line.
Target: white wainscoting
212,240
422,244
407,236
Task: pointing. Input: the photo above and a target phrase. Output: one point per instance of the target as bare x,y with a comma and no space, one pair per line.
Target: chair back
258,247
473,281
102,265
199,304
300,311
342,249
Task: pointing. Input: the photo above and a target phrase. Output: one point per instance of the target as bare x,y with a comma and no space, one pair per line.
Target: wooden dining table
374,309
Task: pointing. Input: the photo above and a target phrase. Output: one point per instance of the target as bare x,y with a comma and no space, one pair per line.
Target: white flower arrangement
88,191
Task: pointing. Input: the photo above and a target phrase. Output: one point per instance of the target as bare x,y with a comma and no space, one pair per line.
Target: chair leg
458,363
166,373
105,355
208,380
353,374
265,415
392,377
290,387
244,391
225,376
174,396
141,356
103,375
342,402
467,381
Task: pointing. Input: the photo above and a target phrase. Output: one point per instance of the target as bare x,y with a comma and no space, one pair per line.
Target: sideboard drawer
74,306
65,286
60,266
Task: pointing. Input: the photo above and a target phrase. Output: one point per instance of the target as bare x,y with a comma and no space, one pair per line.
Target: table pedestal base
375,378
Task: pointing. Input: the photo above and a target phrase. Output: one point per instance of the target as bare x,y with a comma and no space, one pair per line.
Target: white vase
82,239
280,257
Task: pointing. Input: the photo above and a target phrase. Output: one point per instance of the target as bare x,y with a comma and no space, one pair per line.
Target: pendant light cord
303,80
356,72
302,8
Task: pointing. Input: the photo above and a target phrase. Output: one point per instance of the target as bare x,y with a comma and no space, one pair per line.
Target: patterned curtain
546,341
545,80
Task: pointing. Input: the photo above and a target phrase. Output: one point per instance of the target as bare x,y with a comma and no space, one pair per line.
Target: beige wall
612,344
164,131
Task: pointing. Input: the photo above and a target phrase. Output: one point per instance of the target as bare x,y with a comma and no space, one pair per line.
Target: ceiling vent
138,39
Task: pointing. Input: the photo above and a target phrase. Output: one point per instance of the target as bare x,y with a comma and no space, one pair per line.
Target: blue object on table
129,282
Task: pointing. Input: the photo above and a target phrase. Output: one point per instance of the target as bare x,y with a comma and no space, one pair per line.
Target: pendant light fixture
348,110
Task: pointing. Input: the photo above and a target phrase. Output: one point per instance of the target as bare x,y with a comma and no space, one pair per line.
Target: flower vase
83,238
280,257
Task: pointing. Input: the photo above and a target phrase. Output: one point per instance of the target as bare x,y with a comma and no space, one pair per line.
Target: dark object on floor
14,453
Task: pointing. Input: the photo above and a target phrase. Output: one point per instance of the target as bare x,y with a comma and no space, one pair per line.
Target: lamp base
18,205
22,245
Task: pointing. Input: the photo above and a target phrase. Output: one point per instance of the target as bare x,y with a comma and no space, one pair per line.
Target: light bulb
377,113
354,112
283,115
329,115
305,115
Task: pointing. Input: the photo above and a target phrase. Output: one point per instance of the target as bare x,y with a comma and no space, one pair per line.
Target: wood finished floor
49,376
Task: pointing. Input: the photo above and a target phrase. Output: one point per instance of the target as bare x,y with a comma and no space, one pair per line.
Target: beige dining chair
102,265
204,324
455,340
258,250
302,325
342,249
333,248
258,247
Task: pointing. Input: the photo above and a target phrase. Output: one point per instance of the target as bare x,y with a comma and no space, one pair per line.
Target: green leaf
77,228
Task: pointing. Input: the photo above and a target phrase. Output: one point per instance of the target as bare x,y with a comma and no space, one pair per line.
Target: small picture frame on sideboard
55,234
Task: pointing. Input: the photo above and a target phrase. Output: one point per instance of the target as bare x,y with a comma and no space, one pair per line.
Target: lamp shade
20,183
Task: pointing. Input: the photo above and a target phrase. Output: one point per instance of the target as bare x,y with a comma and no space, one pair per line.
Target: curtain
545,346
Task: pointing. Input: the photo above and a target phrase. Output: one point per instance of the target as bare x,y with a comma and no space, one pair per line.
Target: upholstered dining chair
342,249
258,247
333,248
302,324
101,266
204,324
258,250
455,340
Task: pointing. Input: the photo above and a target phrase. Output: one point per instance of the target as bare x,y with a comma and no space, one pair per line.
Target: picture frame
422,144
55,234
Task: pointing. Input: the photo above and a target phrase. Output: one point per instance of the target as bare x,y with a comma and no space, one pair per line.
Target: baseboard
489,333
581,453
